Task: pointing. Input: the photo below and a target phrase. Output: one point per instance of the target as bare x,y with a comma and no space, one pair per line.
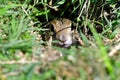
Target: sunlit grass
21,44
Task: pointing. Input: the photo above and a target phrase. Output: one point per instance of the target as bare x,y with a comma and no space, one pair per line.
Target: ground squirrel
64,32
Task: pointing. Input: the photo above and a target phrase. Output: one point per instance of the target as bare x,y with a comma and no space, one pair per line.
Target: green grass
21,46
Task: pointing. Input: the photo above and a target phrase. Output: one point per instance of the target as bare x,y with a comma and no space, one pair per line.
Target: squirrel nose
62,38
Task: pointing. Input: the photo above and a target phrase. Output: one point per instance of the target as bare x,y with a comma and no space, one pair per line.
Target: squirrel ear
51,28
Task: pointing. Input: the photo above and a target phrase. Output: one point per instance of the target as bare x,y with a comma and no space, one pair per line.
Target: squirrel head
62,28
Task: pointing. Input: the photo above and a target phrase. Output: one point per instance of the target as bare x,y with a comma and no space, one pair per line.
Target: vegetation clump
28,42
